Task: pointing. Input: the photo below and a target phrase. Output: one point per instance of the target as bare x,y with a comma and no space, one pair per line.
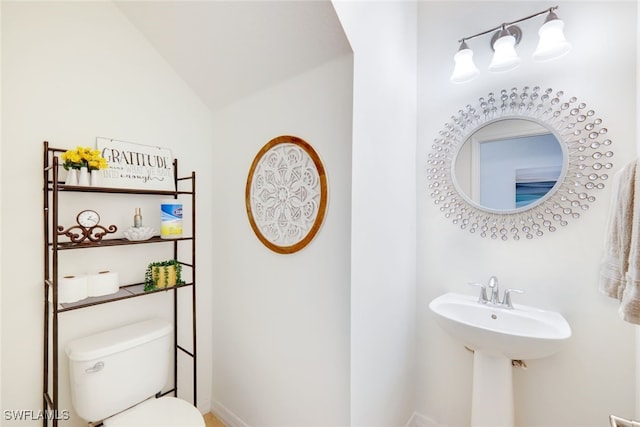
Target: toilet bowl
116,374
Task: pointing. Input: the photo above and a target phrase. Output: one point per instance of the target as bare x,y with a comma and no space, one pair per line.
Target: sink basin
521,333
498,335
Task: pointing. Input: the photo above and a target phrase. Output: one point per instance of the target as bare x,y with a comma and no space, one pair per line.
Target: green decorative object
163,274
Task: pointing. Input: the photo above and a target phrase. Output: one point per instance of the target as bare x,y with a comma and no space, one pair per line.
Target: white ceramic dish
139,233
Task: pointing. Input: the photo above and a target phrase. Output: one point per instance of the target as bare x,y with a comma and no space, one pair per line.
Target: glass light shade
465,70
505,57
552,43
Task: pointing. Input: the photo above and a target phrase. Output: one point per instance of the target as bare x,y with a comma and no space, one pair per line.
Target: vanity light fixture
504,43
552,44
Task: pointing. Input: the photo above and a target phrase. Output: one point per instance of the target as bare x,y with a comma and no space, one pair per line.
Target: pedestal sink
498,335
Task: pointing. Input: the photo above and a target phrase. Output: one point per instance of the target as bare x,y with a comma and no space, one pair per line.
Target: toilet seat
166,411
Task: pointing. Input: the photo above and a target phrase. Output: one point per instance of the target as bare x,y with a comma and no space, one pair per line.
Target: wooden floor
211,421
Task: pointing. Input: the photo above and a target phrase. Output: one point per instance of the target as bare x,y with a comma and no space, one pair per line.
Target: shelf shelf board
115,242
125,292
85,189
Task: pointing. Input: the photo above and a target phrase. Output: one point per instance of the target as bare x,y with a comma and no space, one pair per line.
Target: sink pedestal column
492,395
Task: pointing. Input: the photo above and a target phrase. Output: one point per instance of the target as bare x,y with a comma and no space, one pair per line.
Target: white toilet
116,374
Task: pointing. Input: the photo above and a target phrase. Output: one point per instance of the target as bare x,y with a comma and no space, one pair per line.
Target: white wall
593,375
72,71
368,277
383,38
281,322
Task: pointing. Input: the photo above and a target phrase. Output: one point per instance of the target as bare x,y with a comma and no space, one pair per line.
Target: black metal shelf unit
53,189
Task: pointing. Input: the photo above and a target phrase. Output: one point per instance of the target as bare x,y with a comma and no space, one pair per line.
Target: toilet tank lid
116,340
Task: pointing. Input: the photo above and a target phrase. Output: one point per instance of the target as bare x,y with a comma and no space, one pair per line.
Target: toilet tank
116,369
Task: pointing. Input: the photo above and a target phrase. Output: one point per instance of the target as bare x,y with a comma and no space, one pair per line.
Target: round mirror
509,165
519,164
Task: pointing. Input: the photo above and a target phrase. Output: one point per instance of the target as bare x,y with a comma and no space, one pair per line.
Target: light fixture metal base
513,30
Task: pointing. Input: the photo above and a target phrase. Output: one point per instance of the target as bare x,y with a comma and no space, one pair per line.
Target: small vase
83,178
165,276
95,178
72,177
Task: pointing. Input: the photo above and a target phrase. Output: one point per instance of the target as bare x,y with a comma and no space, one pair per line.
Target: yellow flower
83,157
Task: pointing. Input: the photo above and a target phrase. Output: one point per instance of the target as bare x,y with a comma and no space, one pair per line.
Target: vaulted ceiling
225,50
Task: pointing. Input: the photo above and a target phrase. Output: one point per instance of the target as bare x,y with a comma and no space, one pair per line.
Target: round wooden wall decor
286,194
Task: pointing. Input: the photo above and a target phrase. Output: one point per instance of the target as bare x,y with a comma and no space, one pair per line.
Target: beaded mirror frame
587,160
286,194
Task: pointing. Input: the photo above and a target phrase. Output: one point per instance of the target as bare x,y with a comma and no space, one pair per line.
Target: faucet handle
482,299
507,296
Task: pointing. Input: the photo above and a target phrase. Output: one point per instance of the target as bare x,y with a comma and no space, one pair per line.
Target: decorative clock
87,227
286,194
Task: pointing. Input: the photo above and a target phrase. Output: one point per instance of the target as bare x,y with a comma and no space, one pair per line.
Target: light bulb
505,57
552,43
465,70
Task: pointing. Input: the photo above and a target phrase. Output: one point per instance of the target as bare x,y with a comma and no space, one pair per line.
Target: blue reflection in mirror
516,172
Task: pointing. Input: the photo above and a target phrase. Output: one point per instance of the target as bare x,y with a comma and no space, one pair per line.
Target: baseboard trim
232,420
226,416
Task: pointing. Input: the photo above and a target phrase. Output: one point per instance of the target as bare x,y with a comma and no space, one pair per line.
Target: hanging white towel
630,303
617,244
620,269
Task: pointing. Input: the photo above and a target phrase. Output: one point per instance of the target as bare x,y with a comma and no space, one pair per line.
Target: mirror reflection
509,165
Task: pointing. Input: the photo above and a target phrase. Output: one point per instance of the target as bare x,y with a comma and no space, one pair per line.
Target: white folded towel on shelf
620,268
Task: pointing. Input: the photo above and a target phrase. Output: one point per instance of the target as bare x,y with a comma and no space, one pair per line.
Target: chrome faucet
494,290
493,298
